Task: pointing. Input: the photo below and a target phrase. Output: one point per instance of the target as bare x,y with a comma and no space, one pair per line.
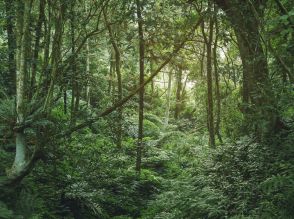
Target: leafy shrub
5,213
150,128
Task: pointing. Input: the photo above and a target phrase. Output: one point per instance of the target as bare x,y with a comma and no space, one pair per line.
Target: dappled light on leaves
160,109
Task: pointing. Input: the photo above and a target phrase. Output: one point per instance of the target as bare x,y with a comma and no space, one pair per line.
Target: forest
147,109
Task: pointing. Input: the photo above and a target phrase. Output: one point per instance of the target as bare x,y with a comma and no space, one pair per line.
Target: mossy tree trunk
22,43
258,96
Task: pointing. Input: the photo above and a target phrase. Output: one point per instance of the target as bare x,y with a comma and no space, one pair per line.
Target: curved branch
133,93
14,177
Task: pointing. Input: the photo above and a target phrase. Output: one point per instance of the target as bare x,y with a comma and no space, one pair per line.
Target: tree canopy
162,109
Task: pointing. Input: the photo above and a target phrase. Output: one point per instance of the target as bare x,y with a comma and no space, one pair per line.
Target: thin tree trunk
283,10
23,18
209,86
88,73
178,92
118,76
184,93
202,60
74,82
111,67
56,54
37,45
141,92
10,12
88,89
217,89
168,97
66,82
152,82
65,101
47,39
210,116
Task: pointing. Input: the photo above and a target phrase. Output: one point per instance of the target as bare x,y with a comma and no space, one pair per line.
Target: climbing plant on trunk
258,96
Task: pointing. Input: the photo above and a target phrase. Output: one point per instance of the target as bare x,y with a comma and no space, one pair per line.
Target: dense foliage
160,109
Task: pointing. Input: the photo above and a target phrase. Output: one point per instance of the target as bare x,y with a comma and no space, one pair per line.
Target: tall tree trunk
167,109
65,100
55,55
111,67
10,12
88,73
141,92
184,92
202,60
47,39
37,45
258,95
178,92
208,41
217,89
75,85
152,82
118,76
66,82
23,24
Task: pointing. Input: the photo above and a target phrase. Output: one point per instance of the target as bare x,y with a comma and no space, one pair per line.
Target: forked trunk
23,19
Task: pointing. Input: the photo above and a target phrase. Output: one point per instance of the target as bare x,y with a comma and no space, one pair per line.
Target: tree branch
13,178
133,93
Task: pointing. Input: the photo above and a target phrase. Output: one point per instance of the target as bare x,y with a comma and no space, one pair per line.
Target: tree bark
217,88
23,18
258,95
111,67
119,78
168,97
88,73
55,55
152,82
75,85
37,45
47,38
178,93
202,60
208,41
10,12
141,92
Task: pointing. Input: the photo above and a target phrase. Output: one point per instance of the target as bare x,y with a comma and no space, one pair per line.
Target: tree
141,92
208,41
178,91
35,114
257,89
216,78
21,162
75,90
168,97
118,76
10,14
